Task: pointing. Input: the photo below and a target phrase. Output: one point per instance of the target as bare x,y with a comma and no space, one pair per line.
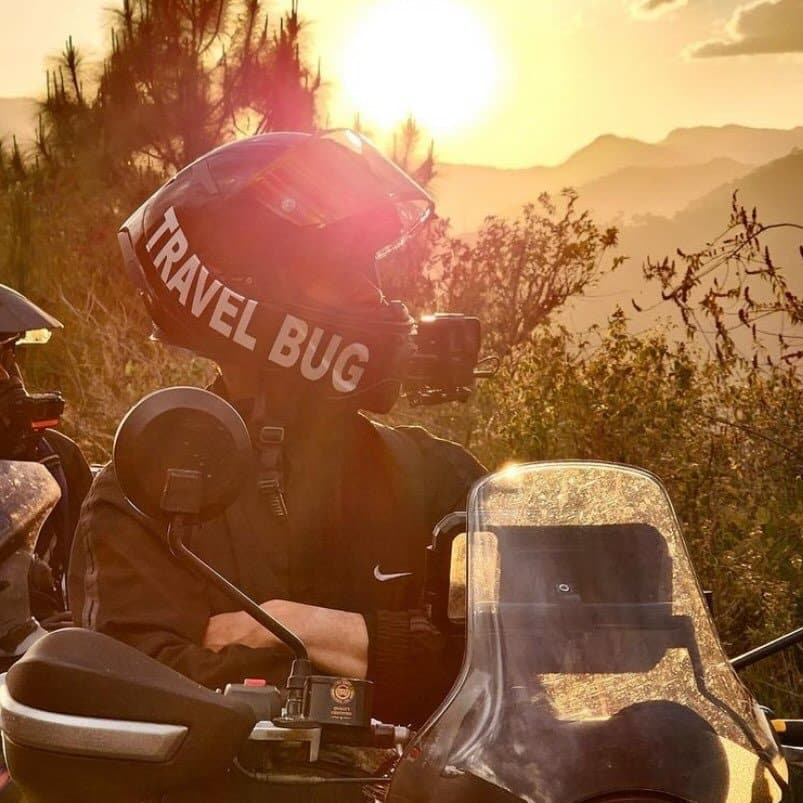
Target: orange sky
509,82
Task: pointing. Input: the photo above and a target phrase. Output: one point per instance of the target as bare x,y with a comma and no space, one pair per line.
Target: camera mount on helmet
445,364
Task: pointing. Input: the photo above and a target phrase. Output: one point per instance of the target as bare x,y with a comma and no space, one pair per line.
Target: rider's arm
337,641
124,582
412,664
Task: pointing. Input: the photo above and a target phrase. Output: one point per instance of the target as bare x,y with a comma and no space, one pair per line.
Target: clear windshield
592,663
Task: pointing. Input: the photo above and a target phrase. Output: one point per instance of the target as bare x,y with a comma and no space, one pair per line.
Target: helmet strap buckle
270,478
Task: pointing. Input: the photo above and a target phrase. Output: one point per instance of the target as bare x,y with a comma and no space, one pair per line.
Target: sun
434,59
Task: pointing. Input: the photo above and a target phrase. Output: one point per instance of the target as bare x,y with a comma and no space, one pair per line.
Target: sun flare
434,59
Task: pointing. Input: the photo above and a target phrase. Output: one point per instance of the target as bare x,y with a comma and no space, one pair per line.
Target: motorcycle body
592,672
28,493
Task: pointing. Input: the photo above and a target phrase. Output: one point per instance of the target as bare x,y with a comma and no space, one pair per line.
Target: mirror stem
177,547
765,650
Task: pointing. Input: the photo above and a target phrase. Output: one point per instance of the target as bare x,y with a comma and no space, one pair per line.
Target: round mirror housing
182,429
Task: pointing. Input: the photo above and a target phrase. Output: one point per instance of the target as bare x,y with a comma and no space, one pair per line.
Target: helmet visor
335,175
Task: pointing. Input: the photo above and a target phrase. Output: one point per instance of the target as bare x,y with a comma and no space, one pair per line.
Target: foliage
180,78
720,427
722,430
735,285
729,448
518,272
727,444
515,273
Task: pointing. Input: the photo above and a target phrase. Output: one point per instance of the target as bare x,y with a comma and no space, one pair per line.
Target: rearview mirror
182,456
182,429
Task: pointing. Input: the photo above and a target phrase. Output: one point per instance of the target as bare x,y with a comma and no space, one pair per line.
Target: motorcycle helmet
21,321
263,254
23,417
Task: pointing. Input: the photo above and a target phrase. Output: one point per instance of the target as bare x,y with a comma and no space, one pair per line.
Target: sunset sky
510,82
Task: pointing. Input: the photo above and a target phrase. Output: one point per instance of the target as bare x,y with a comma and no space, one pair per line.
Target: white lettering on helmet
241,335
286,348
315,372
225,306
183,278
232,312
170,223
172,252
349,365
347,375
203,295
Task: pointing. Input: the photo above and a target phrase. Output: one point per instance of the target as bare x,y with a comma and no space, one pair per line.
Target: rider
263,256
26,434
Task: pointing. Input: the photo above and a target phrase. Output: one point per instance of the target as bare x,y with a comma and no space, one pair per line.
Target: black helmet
263,253
21,321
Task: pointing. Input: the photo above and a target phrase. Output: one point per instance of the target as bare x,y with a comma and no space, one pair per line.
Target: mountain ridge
468,193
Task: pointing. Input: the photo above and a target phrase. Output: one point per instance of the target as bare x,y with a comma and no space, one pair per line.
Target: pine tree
180,77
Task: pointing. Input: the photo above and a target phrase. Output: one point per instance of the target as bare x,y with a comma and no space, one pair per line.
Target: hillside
774,189
609,153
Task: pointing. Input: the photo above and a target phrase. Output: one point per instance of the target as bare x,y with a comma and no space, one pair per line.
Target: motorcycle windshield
592,665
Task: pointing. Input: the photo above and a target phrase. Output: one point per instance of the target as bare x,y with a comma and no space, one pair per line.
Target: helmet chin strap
275,414
269,430
282,412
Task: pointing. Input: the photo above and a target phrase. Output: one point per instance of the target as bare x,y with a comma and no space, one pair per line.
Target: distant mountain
749,145
632,192
17,116
610,168
609,153
773,188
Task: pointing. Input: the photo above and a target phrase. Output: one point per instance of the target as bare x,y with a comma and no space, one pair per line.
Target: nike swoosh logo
385,577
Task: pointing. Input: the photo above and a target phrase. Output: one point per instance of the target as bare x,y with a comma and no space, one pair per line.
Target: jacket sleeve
76,471
124,582
413,664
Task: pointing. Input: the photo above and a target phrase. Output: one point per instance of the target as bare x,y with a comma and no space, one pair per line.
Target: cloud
655,8
766,26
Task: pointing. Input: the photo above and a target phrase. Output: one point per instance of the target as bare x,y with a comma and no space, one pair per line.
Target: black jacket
366,499
66,462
